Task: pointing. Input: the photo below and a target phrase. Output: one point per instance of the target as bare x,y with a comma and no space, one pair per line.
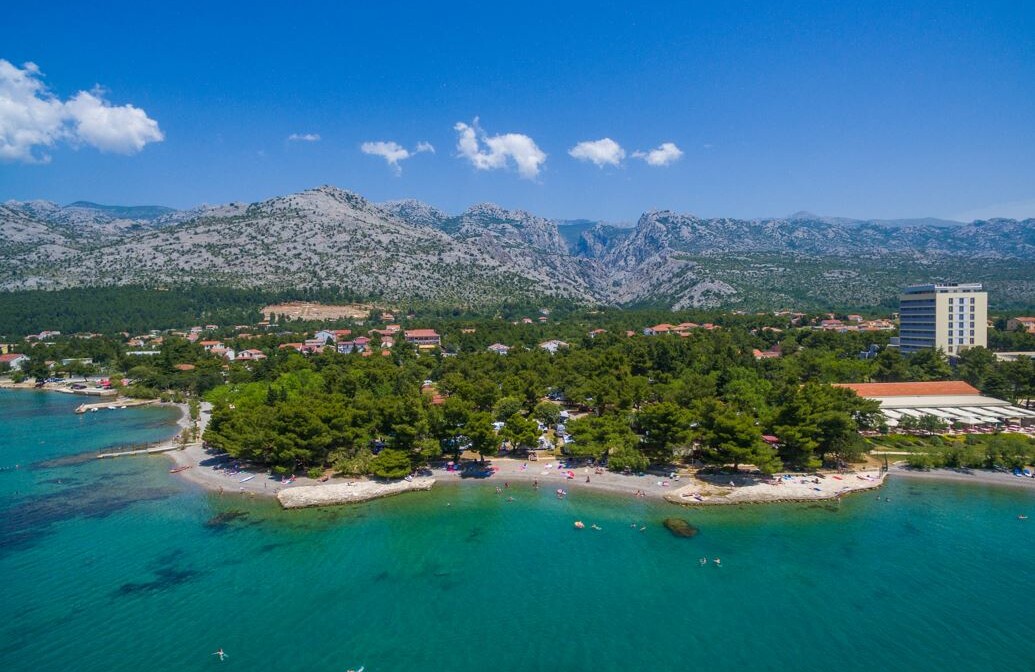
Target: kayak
247,478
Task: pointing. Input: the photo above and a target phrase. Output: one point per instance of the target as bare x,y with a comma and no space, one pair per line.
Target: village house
423,338
209,345
1026,324
250,355
657,329
553,346
772,353
499,348
224,352
14,360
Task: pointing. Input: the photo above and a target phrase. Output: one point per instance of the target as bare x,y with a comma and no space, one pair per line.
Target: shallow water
115,565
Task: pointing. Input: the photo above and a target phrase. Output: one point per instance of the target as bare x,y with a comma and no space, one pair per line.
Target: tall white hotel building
952,317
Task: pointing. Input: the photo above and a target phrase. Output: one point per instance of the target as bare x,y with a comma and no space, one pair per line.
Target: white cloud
304,137
603,152
393,152
499,150
663,155
33,119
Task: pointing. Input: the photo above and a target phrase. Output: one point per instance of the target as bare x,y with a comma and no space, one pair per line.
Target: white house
553,346
14,360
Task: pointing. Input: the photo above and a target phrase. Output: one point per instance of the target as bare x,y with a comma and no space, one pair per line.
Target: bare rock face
331,494
410,251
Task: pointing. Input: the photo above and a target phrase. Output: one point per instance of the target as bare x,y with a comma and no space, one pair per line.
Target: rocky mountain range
408,250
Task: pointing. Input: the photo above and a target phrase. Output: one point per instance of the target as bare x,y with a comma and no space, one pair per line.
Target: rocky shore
330,494
716,489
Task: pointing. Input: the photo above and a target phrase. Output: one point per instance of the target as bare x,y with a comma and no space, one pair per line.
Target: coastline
216,473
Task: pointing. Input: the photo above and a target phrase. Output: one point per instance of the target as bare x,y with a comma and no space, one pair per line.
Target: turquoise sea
116,565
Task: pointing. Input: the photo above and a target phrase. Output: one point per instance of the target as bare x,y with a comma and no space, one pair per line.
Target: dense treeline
643,400
134,309
638,400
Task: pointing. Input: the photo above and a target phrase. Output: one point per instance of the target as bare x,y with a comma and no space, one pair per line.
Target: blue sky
856,109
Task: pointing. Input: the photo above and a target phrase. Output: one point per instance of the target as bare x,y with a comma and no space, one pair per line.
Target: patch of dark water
222,521
165,579
64,461
24,524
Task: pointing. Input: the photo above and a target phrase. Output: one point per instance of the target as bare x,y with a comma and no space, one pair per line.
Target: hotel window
972,333
972,341
950,300
972,299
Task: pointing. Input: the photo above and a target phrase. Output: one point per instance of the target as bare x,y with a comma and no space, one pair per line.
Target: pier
154,450
114,404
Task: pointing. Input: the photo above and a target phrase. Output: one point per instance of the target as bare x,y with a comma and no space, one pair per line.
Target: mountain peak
414,212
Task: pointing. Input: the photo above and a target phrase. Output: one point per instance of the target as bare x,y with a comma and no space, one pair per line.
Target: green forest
629,400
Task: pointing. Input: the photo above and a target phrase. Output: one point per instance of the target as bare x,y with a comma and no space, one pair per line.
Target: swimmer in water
222,654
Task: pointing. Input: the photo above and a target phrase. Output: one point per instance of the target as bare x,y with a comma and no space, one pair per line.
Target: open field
304,310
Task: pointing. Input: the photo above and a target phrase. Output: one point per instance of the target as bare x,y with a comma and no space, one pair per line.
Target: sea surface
111,565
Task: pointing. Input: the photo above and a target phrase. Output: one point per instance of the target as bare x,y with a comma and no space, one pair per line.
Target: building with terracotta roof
15,360
1021,324
423,338
955,402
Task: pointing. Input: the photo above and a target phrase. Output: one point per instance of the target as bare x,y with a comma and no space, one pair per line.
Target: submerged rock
680,527
223,519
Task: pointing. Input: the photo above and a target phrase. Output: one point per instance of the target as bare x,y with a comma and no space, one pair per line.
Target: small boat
176,470
247,478
579,525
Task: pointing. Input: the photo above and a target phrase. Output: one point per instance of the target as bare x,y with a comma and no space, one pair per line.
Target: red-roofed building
423,338
940,388
14,360
1021,324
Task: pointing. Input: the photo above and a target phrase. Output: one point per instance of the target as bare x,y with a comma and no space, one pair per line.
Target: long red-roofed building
955,402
